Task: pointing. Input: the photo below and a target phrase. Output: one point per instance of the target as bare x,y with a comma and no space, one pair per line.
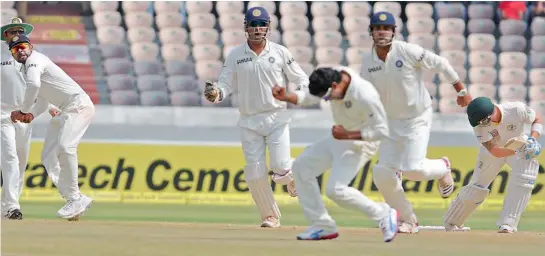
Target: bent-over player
252,69
48,83
395,69
360,125
15,136
494,125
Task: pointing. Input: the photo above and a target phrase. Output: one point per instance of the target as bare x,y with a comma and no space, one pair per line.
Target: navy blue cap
257,13
383,18
18,39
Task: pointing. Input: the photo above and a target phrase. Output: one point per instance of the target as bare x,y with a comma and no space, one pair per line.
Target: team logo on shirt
399,63
494,133
511,127
271,59
292,60
348,104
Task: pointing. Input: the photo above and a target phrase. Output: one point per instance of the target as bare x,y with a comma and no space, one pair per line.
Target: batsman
502,130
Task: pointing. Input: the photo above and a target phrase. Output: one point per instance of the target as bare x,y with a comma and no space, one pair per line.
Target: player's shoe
389,225
14,214
408,227
451,227
314,233
445,184
506,229
270,222
291,189
75,207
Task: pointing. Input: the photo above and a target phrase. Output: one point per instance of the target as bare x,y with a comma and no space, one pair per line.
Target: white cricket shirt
13,83
47,82
359,110
253,77
516,120
399,79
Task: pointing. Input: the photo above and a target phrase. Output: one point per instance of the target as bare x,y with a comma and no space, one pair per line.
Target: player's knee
385,177
336,192
255,171
67,149
9,157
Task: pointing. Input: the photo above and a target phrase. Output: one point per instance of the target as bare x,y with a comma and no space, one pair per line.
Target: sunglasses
258,23
21,46
16,32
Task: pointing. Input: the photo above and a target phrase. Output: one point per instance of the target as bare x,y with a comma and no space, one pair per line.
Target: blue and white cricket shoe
314,233
389,225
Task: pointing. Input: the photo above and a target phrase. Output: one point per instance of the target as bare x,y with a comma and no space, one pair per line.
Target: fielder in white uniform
494,125
15,137
395,69
252,69
48,83
360,125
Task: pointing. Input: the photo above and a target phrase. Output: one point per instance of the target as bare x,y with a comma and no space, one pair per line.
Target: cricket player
15,137
47,83
494,125
252,69
395,69
360,125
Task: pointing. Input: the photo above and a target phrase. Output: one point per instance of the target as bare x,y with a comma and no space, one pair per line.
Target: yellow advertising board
213,175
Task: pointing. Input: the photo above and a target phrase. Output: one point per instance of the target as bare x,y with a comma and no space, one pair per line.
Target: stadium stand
160,53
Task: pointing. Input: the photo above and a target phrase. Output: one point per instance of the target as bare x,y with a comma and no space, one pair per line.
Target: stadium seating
160,53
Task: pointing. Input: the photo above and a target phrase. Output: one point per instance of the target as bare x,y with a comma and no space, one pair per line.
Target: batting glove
532,149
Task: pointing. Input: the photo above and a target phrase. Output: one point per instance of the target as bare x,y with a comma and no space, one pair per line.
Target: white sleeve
33,76
293,71
227,77
421,57
482,134
378,125
526,114
304,98
40,107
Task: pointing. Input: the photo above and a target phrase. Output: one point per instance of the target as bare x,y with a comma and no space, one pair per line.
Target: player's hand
339,132
211,92
18,116
464,100
532,149
279,93
53,112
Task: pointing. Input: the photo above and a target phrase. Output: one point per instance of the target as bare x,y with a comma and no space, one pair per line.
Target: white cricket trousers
519,188
61,143
276,138
406,151
345,158
15,147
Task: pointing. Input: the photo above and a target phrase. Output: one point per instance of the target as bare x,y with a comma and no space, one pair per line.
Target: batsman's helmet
257,24
382,38
479,111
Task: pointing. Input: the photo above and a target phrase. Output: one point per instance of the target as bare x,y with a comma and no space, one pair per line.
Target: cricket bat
515,143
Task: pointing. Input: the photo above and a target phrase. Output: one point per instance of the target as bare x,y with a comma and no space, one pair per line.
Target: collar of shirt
501,112
267,49
390,53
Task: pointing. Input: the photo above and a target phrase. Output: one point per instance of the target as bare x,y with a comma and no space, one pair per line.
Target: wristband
537,127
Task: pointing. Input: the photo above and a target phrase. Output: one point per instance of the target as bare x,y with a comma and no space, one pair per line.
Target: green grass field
161,229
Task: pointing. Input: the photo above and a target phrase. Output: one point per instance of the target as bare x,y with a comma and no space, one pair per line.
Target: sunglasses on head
258,23
21,46
16,32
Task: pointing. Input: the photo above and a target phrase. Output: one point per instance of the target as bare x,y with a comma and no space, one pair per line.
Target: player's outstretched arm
294,72
33,78
433,62
299,97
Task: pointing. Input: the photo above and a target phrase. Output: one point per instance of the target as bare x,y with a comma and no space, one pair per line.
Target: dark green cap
479,109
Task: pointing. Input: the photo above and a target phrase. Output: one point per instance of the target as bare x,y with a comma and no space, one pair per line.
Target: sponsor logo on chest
244,60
